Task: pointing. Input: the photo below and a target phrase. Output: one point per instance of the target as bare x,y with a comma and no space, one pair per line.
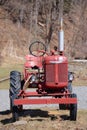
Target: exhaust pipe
61,38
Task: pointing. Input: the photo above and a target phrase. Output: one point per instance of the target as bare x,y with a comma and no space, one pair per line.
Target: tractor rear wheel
15,87
73,109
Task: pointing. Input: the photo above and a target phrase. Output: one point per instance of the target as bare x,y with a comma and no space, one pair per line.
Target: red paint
55,74
32,61
56,71
45,101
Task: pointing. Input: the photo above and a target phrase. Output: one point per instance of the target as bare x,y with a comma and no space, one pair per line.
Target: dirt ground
45,118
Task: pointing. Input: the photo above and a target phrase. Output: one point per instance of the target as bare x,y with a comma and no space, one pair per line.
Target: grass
4,85
82,118
80,73
80,82
5,72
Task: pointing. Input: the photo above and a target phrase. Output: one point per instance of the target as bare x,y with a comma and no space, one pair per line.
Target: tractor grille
62,72
50,74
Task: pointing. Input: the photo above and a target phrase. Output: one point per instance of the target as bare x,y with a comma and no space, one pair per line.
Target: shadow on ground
7,112
34,114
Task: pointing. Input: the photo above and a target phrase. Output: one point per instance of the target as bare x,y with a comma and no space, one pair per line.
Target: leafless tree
78,17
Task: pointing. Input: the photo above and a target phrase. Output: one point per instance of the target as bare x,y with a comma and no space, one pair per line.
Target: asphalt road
80,91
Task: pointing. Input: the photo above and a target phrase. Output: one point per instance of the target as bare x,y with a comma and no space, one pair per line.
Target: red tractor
48,73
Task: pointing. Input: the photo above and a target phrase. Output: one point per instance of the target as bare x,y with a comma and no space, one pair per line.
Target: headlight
70,76
32,78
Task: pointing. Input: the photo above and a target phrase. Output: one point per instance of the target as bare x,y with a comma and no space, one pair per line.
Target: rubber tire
62,106
33,44
15,115
65,106
73,109
15,87
70,87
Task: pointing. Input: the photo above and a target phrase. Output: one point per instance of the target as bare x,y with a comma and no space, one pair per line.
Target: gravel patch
4,100
80,91
82,96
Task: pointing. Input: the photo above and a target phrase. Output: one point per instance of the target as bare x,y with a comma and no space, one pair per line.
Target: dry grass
46,118
5,72
80,73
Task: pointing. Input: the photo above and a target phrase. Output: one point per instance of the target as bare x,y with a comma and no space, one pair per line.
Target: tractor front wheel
73,109
15,87
62,106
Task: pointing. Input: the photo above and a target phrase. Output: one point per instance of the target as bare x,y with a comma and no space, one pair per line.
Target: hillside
23,22
13,41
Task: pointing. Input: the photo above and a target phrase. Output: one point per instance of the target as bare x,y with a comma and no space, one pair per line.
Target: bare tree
77,15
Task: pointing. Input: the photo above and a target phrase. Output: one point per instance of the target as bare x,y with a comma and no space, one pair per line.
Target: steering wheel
37,48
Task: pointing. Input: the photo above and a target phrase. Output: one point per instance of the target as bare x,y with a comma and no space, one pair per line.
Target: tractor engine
49,72
33,71
56,71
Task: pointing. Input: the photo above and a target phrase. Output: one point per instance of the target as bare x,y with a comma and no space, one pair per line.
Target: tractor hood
55,59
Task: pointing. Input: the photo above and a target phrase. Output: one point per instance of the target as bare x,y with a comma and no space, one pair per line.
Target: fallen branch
4,79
